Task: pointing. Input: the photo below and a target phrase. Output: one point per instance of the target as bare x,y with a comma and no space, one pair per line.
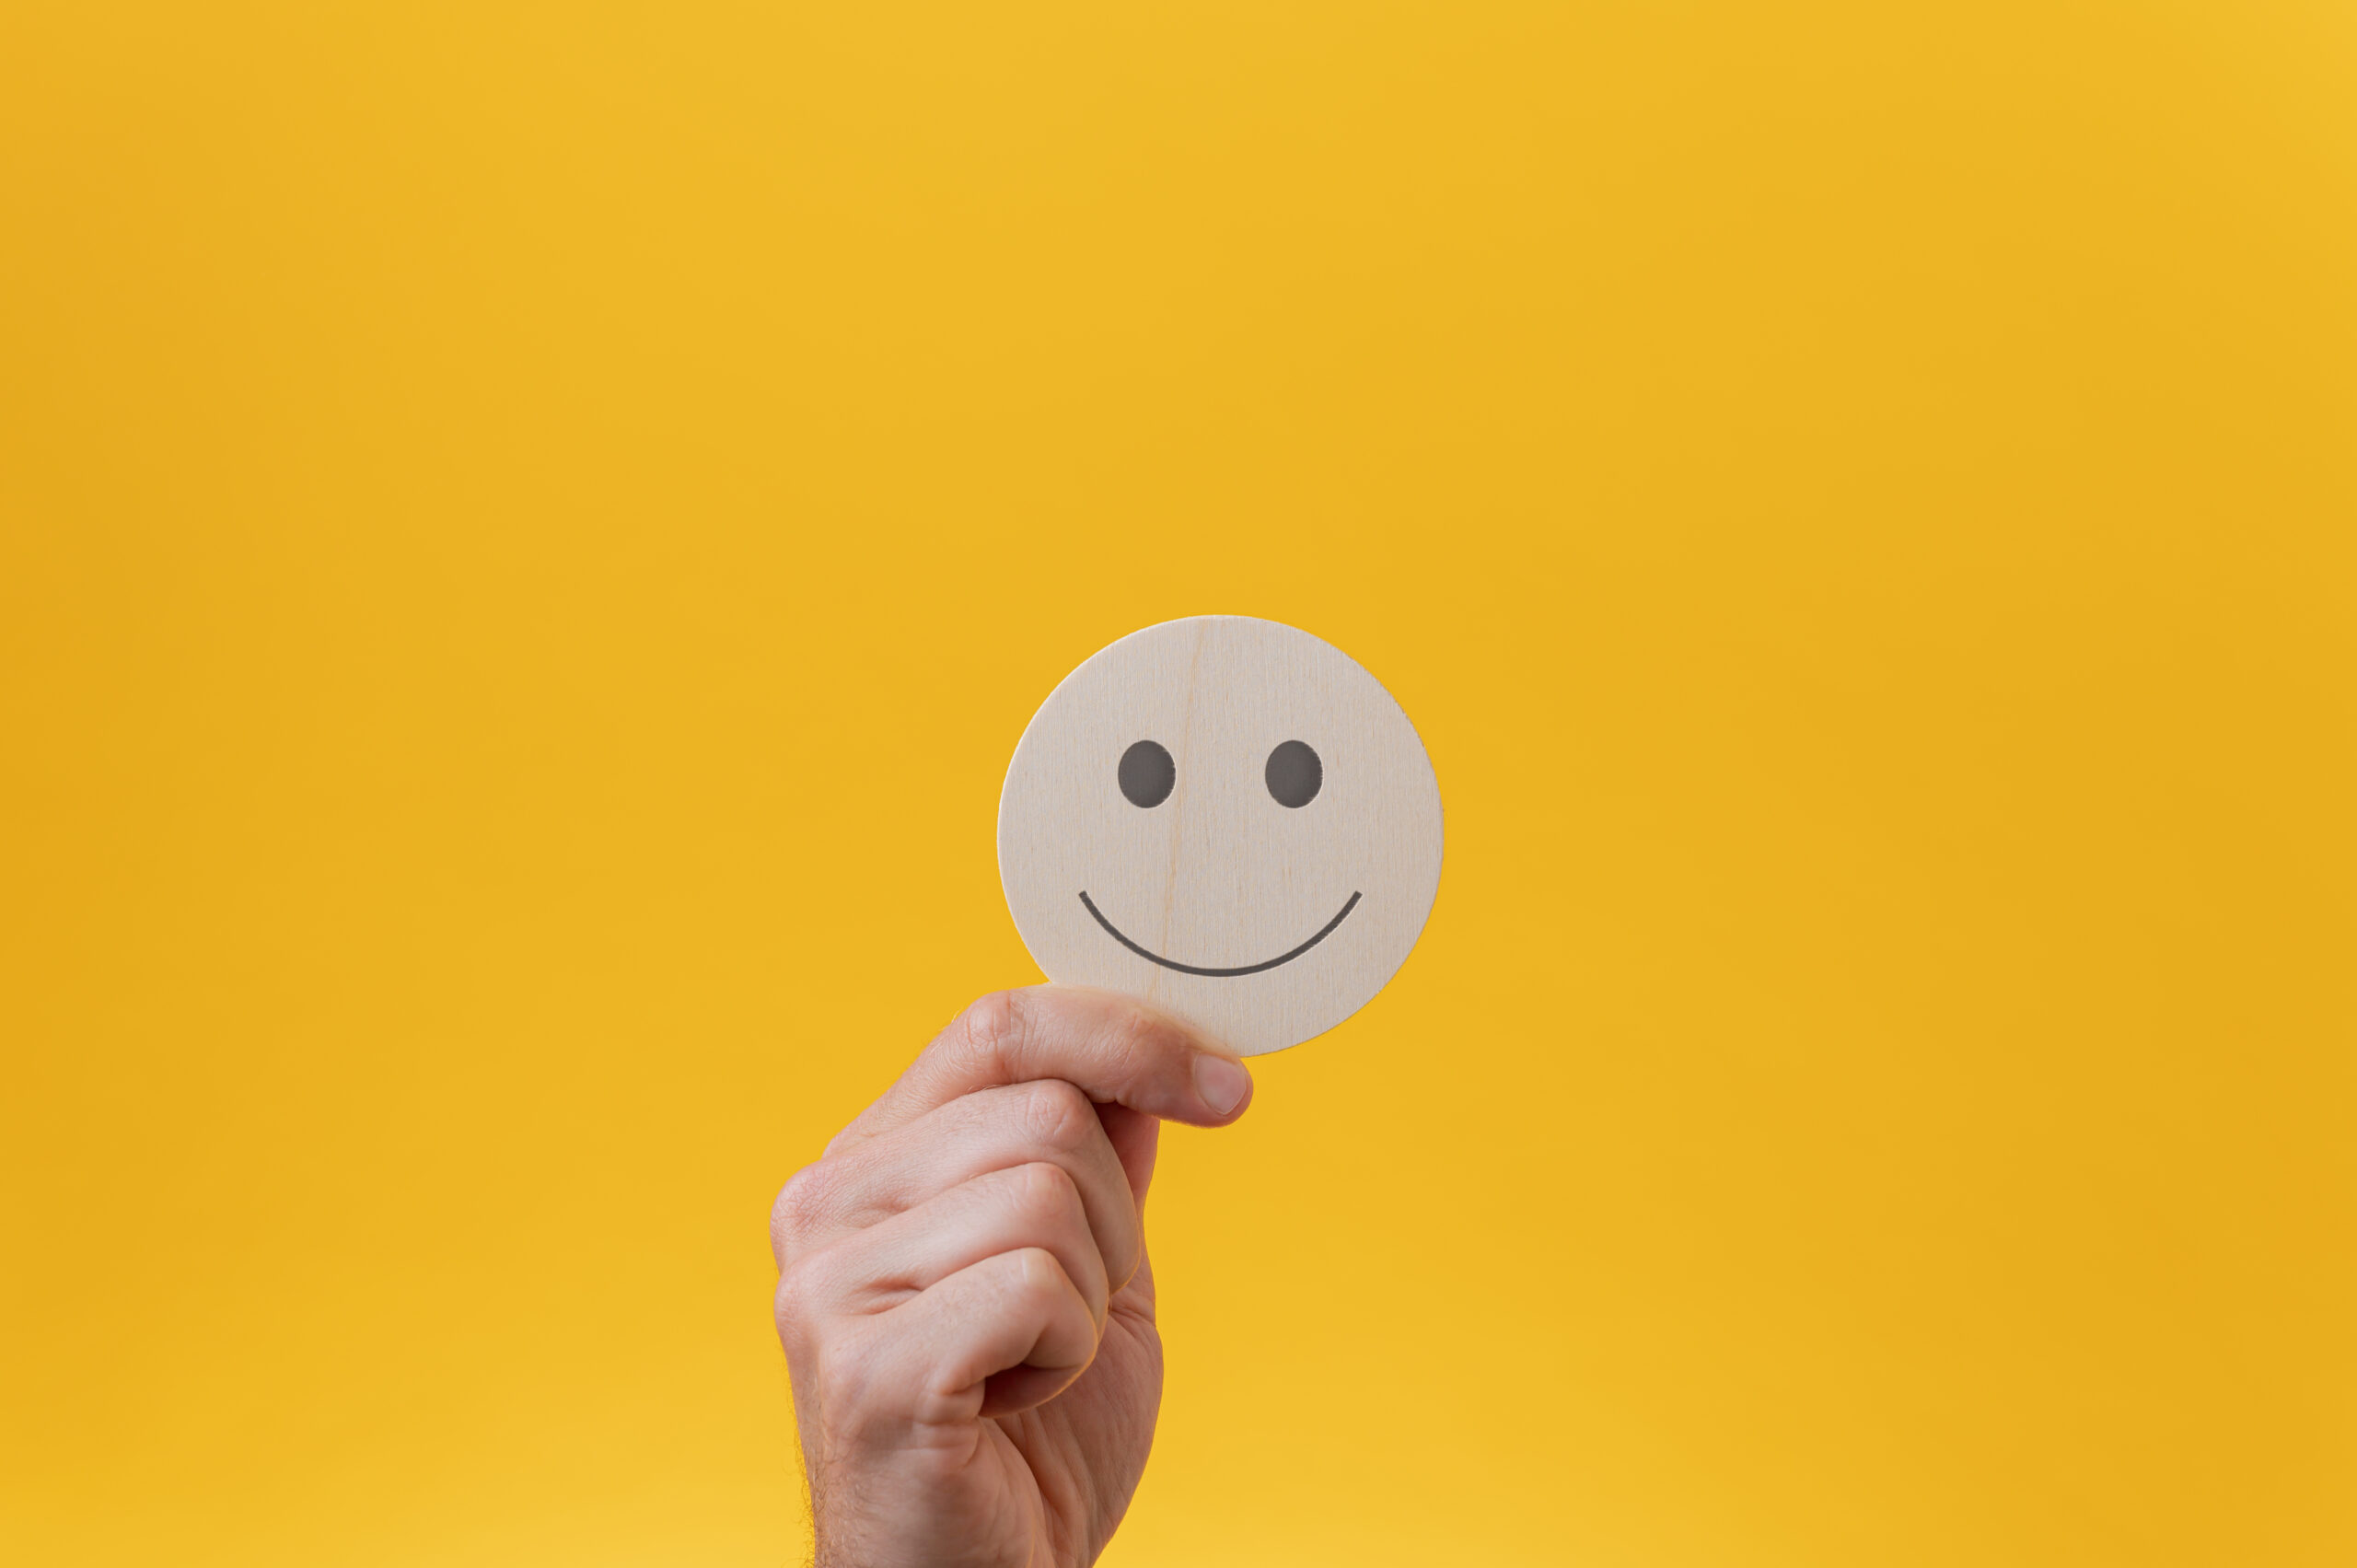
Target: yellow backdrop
527,534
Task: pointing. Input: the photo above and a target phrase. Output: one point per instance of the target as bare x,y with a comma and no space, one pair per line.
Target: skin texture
963,1291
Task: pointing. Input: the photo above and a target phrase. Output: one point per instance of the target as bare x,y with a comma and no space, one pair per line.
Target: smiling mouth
1114,932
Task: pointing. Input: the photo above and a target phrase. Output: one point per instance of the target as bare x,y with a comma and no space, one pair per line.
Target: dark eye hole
1147,773
1294,774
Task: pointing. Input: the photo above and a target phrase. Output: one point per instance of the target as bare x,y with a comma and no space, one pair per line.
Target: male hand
963,1291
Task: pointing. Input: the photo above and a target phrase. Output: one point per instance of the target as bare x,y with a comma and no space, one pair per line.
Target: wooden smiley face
1228,818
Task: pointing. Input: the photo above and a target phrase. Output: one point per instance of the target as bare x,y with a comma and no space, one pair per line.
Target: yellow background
528,533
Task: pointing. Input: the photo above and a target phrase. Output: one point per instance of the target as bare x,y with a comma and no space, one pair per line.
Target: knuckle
1047,1191
797,1295
1037,1275
1136,1039
1057,1116
797,1208
840,1382
993,1026
1133,1023
1137,1028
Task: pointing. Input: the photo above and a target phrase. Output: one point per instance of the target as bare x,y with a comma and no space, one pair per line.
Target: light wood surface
1262,922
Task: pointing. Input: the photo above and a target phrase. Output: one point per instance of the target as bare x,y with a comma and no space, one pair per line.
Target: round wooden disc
1227,817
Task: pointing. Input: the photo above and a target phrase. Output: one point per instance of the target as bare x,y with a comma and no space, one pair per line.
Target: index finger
1113,1048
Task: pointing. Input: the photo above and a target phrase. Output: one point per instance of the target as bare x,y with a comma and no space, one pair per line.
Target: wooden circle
1228,818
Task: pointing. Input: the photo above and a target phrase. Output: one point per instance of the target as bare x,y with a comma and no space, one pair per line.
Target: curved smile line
1218,974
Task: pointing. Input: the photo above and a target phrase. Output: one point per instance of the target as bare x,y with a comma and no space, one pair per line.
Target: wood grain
1261,922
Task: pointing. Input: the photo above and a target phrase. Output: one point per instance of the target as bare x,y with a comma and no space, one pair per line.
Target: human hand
963,1291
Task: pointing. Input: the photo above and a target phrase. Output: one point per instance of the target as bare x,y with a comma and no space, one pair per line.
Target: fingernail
1222,1083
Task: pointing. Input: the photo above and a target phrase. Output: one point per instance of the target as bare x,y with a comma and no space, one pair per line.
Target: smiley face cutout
1227,817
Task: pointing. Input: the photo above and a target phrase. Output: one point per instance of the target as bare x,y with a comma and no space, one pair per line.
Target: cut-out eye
1294,774
1147,773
